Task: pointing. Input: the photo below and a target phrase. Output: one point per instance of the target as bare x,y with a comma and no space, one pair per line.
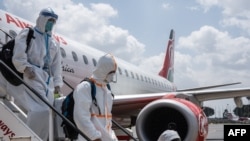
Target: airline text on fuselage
21,24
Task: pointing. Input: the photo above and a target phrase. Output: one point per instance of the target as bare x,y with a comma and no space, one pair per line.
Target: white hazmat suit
93,124
169,135
41,66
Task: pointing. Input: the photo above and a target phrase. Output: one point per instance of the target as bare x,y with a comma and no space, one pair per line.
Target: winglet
167,70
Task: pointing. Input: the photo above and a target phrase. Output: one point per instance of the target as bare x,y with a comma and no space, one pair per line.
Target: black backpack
68,109
6,56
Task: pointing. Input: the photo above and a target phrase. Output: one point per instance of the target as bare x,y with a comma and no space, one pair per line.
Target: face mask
49,25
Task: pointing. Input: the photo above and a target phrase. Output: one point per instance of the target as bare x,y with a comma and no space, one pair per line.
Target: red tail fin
167,70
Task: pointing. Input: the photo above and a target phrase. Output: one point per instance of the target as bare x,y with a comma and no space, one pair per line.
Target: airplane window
132,74
126,72
149,80
85,59
5,38
94,61
145,79
155,82
142,78
120,71
74,56
137,76
63,53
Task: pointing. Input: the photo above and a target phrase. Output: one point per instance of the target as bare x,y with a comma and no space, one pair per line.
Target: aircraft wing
135,102
154,111
206,95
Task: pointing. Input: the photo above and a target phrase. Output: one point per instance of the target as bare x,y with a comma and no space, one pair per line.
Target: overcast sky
212,44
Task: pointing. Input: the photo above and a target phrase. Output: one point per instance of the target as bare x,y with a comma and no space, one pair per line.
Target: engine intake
154,118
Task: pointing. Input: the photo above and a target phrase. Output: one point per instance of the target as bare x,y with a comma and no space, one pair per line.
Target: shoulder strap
108,86
93,88
93,92
29,36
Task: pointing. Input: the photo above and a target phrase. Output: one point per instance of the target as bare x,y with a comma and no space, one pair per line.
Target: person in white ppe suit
95,121
42,70
170,134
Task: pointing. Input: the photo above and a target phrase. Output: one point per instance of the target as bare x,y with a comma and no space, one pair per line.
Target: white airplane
142,99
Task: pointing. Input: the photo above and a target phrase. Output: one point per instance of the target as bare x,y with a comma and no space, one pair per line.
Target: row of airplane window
132,75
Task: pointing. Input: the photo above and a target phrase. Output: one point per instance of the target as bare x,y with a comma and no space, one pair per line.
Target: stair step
20,139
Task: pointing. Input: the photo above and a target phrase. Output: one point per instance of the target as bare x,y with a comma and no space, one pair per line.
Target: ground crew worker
170,134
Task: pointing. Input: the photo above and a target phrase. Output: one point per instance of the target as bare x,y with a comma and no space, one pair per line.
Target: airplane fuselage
79,60
150,99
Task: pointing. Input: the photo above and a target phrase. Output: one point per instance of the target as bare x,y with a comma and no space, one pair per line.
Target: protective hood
43,18
106,65
169,136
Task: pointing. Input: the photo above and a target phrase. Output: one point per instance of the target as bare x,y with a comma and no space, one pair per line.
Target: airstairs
13,127
12,123
13,119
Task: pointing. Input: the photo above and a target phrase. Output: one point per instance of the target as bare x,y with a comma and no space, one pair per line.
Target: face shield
46,20
49,13
111,77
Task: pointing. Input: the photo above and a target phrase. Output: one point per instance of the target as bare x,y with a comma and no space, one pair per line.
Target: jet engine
191,122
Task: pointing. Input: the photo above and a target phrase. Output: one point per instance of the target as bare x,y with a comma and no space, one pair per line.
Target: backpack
6,56
68,109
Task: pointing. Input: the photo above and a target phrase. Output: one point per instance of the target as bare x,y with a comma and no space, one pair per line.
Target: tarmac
215,132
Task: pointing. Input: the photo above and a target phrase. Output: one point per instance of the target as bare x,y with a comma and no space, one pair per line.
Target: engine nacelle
192,123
